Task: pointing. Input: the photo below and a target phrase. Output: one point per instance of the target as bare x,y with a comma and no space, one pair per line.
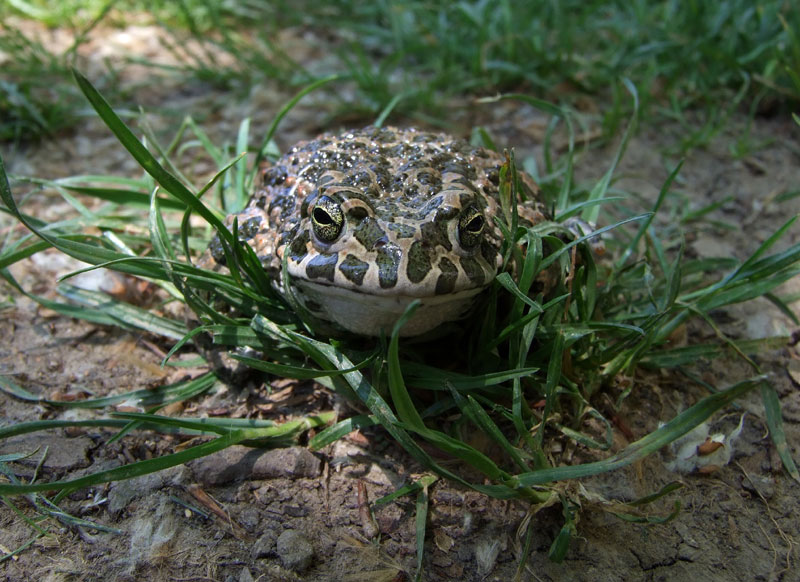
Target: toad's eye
470,227
327,219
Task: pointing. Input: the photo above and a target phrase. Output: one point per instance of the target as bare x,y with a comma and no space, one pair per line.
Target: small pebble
265,545
295,550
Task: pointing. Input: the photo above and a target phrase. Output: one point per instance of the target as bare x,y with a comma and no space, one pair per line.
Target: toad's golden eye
327,219
470,227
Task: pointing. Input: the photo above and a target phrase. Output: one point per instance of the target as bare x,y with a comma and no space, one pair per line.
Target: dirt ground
737,523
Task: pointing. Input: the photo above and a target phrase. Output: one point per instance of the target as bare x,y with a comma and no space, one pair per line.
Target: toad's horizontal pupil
322,217
475,225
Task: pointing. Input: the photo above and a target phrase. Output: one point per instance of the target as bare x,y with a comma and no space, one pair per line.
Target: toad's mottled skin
370,220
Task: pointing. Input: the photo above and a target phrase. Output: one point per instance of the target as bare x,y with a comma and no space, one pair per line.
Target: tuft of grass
36,96
600,321
417,58
686,55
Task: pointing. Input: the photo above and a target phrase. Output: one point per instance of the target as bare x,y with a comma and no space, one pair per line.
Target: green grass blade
553,379
132,470
764,247
560,545
553,257
298,372
119,196
341,429
683,356
69,310
39,425
285,109
387,110
772,406
124,314
10,387
145,159
230,437
665,490
598,192
630,249
482,420
540,104
240,169
783,307
412,420
576,209
401,399
651,519
10,257
430,378
413,487
12,457
157,397
420,522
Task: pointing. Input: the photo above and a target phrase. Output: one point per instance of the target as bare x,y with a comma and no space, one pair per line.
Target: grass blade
421,520
145,159
772,407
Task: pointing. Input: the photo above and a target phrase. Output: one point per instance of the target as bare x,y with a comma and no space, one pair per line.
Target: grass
418,59
596,325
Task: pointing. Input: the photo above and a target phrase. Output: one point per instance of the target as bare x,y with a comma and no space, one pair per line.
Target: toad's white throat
371,315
